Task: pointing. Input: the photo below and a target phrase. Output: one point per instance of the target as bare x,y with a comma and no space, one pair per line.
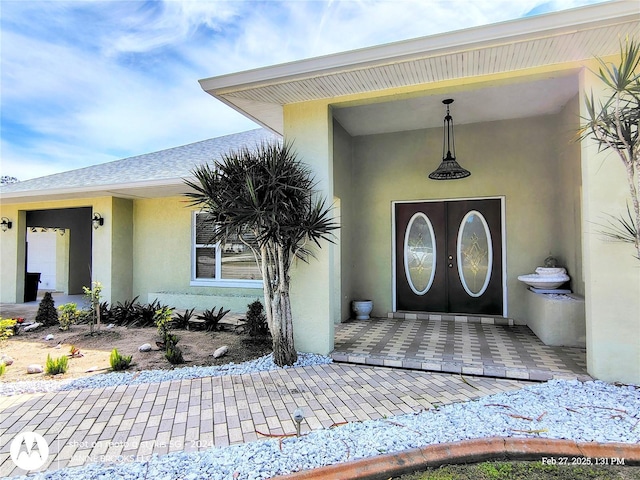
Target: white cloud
87,82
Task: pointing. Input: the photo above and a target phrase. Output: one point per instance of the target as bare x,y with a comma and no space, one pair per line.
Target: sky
85,82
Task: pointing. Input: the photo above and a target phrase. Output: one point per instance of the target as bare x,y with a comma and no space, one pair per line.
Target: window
229,264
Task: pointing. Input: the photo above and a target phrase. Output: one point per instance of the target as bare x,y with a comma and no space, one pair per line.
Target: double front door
449,256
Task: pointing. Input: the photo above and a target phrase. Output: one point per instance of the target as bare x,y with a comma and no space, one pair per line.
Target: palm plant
266,197
615,125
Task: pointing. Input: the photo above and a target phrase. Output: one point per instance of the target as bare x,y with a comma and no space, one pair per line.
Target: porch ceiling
564,39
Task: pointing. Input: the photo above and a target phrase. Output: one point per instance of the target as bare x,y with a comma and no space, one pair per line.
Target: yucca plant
119,362
54,366
266,198
614,124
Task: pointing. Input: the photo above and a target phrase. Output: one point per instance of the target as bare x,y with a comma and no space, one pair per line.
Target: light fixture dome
449,169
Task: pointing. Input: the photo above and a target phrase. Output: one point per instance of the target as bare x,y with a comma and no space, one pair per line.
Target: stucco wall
567,229
313,284
612,274
122,246
162,257
342,159
517,159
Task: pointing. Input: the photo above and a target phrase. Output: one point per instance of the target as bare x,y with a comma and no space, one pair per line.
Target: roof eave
476,37
127,190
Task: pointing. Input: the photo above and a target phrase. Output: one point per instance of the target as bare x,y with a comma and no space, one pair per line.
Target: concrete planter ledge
470,451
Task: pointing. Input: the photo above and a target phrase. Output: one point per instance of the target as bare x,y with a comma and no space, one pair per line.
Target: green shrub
256,320
211,318
181,320
145,314
162,321
119,362
56,366
124,313
174,354
69,315
3,368
7,326
47,314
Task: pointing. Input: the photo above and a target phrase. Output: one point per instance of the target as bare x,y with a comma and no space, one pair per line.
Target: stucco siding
342,159
516,159
162,260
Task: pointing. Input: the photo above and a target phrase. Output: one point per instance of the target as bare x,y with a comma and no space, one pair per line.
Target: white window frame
214,282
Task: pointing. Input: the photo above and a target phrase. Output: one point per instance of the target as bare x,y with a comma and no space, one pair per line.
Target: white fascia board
89,191
550,24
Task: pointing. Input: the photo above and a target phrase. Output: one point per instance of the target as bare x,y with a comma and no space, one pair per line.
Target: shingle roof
173,163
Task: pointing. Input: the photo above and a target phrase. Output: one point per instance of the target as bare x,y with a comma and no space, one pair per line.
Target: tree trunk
278,307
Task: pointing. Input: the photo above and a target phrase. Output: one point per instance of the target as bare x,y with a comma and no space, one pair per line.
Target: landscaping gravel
587,412
153,376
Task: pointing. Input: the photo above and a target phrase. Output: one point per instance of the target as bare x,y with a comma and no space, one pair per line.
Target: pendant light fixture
449,169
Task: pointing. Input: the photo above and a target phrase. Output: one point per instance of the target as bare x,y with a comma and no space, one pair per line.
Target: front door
449,256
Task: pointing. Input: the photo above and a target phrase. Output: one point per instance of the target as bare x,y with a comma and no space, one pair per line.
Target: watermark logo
29,450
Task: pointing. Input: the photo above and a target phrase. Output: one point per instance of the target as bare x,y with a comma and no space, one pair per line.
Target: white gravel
153,376
560,409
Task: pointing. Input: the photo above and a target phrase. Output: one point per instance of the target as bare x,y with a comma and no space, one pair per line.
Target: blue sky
86,82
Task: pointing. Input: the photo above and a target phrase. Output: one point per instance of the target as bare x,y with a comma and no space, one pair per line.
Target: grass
524,471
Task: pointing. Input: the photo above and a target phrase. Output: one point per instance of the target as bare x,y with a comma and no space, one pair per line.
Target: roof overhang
564,38
132,190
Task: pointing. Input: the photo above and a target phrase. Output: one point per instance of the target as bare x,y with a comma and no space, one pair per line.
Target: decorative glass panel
475,254
419,253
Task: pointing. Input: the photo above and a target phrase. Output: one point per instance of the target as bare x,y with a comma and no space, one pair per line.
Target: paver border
469,451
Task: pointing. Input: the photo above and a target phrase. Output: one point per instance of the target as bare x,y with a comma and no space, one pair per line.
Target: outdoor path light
449,169
298,416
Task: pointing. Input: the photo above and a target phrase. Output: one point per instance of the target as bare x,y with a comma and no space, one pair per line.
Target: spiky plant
614,123
266,197
54,366
119,362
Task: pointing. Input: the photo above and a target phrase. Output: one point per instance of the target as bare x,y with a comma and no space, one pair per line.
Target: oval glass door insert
475,253
419,253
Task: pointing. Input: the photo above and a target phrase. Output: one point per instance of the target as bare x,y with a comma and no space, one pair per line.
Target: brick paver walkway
471,347
134,421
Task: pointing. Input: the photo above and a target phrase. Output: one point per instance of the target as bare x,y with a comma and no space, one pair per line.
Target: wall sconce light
6,224
61,231
97,221
449,169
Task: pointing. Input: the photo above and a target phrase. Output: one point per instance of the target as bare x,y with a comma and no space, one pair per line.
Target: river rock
6,359
145,347
33,326
49,337
35,368
220,351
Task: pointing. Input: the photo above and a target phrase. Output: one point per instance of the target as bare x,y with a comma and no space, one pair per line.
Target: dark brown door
449,256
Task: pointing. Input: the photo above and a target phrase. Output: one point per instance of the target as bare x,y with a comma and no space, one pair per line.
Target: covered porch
370,125
469,345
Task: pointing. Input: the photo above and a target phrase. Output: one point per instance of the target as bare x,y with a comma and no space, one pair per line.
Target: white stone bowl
550,271
549,282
